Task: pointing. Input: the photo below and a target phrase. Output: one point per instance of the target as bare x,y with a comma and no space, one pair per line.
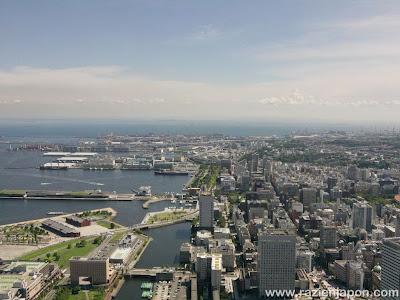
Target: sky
306,61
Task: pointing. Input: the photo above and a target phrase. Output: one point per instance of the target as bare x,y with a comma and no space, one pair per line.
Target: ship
142,191
55,213
171,172
52,167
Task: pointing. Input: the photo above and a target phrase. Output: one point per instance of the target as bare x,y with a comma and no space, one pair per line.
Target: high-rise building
328,237
309,197
335,193
267,168
206,204
97,269
362,216
252,163
390,274
304,260
216,270
331,181
203,266
353,172
276,261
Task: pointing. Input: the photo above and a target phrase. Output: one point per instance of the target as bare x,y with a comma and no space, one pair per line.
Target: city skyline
273,61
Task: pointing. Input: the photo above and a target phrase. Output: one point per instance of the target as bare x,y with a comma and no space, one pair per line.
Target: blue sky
200,59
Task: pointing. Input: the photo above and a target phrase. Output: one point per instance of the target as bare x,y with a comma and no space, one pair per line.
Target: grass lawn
107,224
117,236
166,216
65,293
12,192
93,295
62,250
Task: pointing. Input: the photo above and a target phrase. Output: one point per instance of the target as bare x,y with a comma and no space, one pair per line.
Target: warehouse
77,221
60,229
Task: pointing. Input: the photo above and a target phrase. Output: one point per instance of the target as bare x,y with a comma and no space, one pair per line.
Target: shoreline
110,209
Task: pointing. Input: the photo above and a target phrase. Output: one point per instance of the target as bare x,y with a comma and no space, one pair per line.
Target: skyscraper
276,261
390,275
328,237
309,197
268,168
362,216
216,269
206,204
353,172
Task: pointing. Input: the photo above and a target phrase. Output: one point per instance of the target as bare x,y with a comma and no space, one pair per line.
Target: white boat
55,213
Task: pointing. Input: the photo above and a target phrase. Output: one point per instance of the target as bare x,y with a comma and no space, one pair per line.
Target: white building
304,260
216,270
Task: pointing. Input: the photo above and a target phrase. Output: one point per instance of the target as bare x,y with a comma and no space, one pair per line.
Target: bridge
151,272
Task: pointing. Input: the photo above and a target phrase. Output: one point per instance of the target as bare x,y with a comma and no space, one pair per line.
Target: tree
75,289
56,256
112,225
221,221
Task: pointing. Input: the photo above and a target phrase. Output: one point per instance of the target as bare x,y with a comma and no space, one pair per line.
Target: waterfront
162,251
18,170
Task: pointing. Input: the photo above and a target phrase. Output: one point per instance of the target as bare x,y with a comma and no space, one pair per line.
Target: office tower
203,266
216,270
355,275
335,193
97,269
252,163
268,168
353,172
304,260
390,274
309,197
276,261
362,216
206,204
328,237
331,181
323,196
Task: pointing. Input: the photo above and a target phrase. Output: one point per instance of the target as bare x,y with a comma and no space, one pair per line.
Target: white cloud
116,92
294,98
10,102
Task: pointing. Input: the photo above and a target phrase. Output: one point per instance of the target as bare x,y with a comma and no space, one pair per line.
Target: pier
81,195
